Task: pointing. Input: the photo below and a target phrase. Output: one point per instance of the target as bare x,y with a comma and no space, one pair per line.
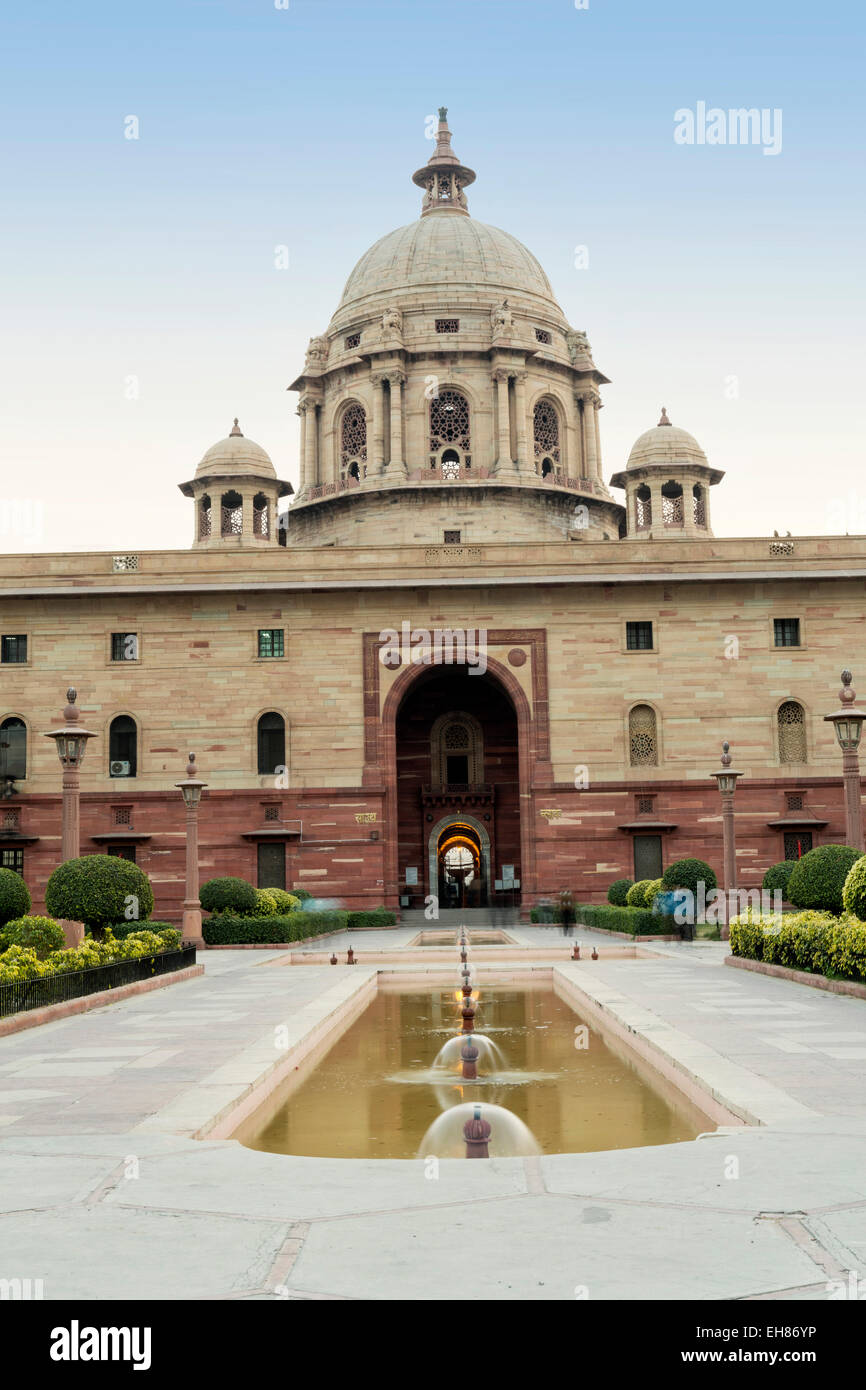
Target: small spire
443,176
726,754
846,694
235,430
663,421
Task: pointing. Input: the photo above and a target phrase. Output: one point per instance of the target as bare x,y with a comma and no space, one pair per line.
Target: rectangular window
457,769
271,866
647,856
786,632
353,340
122,852
645,805
542,335
12,859
447,325
639,637
452,537
124,646
271,641
14,650
797,843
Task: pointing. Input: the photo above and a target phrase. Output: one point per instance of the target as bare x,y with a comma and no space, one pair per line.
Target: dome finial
235,429
443,176
663,421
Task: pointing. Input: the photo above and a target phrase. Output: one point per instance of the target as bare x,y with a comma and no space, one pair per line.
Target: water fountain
477,1133
469,1055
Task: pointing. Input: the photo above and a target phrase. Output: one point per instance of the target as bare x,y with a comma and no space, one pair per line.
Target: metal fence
75,984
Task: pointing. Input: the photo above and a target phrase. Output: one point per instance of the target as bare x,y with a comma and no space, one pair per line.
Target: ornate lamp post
191,789
71,744
726,779
848,723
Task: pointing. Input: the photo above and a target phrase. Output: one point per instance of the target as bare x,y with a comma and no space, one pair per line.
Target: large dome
442,249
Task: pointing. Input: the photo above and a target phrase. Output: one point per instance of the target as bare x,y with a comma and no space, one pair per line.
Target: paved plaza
107,1194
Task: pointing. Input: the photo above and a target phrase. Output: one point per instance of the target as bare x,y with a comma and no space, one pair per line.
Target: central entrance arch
458,862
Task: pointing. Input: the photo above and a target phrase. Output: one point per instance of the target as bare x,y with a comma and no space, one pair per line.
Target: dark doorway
647,857
271,868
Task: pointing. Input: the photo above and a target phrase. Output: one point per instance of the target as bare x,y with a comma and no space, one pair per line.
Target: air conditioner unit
119,769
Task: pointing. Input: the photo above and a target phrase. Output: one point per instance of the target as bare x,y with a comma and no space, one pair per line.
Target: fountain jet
477,1133
469,1057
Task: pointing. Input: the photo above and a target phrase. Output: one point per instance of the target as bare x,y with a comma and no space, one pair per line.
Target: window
353,340
123,815
794,801
14,650
797,843
672,504
643,508
122,852
452,537
271,641
457,750
786,632
545,428
271,866
205,518
261,517
642,739
124,646
542,335
13,748
449,421
647,857
12,859
791,722
122,747
639,637
457,769
272,743
447,325
699,506
646,805
231,514
353,437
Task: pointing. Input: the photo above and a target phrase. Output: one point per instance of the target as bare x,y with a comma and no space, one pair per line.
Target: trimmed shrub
286,902
18,963
636,895
372,917
120,930
616,893
40,934
688,873
854,889
301,894
819,877
14,896
635,921
227,929
654,888
545,914
815,941
98,889
266,903
777,876
227,895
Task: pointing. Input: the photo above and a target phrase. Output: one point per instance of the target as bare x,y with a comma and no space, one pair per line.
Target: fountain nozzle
469,1057
476,1133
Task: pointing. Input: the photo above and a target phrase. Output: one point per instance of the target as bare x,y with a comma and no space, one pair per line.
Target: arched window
353,439
457,751
791,722
13,748
643,508
699,505
672,504
204,518
642,737
545,426
449,431
261,517
272,743
232,511
122,747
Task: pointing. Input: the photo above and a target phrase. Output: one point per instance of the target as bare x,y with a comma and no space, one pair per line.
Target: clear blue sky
148,265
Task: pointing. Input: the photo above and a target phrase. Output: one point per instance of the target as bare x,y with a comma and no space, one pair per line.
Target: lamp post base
191,928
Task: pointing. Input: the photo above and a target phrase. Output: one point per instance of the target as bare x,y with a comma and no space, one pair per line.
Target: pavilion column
247,516
378,459
503,430
590,436
396,463
303,481
596,407
311,445
520,409
656,505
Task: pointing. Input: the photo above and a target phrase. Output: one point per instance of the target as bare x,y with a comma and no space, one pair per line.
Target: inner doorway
461,861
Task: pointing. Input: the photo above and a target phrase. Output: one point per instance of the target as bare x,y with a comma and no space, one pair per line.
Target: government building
466,657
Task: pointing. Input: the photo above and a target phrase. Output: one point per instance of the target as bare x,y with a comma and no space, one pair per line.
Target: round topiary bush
302,894
266,903
14,897
819,877
688,873
778,875
228,895
40,934
286,902
99,889
653,888
617,891
636,895
854,889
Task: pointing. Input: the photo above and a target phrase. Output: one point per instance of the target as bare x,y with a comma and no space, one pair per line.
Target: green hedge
230,929
819,877
634,921
815,941
372,917
120,930
545,914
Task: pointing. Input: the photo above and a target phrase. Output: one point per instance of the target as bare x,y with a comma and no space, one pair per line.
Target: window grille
643,751
546,430
792,732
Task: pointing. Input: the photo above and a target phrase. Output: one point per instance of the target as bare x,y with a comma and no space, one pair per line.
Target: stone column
302,456
396,463
503,431
520,408
590,436
311,441
377,459
247,495
596,407
658,524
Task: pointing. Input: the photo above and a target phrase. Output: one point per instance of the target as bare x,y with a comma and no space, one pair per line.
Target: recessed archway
458,862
